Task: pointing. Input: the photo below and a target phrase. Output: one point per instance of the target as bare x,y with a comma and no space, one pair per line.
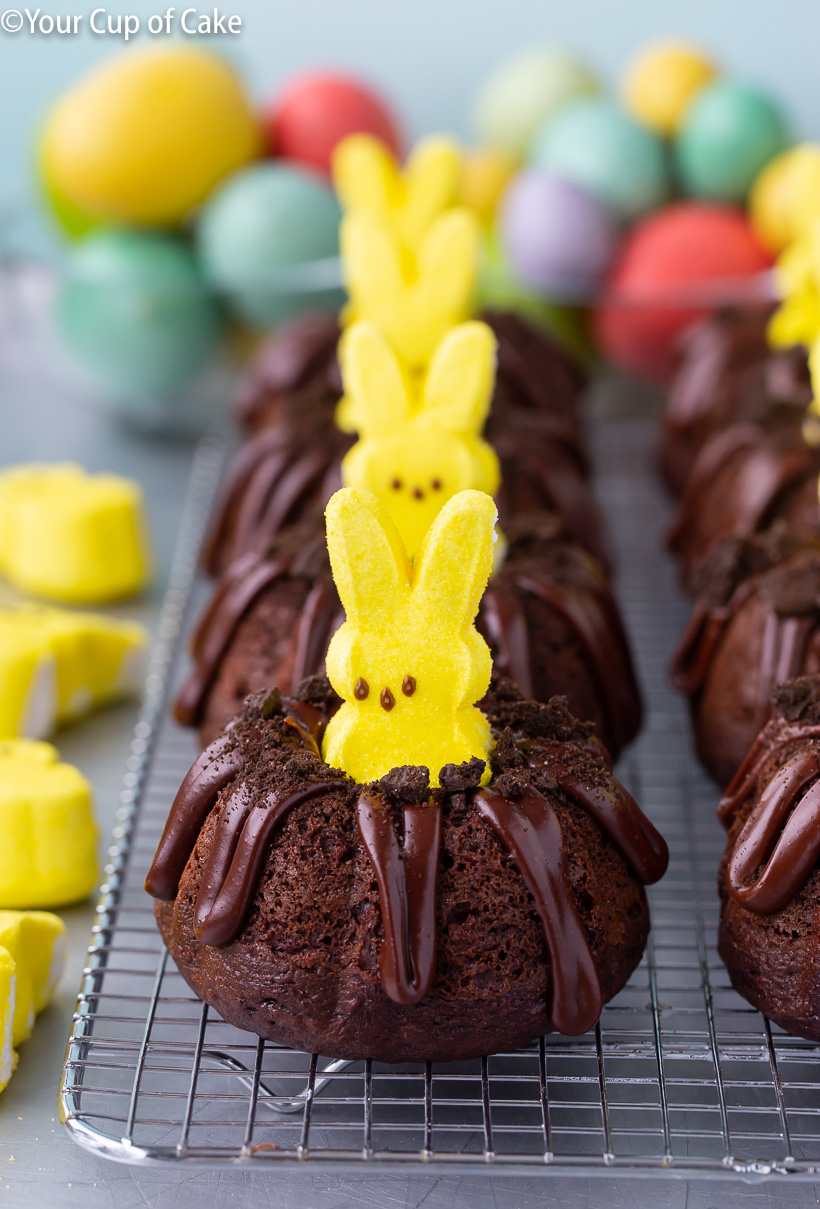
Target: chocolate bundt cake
728,374
756,622
297,370
390,922
549,617
744,479
291,465
769,879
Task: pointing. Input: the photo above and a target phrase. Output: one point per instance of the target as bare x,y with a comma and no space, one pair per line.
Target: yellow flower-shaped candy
417,450
408,661
36,942
367,178
32,947
8,999
414,300
56,665
70,536
48,854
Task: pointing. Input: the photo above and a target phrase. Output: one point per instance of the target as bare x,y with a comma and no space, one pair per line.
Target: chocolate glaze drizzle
406,876
272,478
590,612
766,472
783,653
406,873
530,831
779,843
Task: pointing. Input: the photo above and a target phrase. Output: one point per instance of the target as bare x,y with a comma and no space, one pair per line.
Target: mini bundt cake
549,616
714,353
744,479
390,922
756,622
291,465
769,878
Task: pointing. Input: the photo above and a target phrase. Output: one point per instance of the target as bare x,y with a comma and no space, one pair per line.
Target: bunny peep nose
419,444
404,614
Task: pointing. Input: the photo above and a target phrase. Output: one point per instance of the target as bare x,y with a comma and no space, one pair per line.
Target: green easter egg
527,91
135,312
729,134
268,239
596,145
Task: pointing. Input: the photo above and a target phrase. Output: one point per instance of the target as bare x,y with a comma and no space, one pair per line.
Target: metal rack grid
681,1076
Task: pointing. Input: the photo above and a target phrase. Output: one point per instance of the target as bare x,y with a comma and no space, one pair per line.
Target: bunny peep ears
413,299
408,661
367,178
418,448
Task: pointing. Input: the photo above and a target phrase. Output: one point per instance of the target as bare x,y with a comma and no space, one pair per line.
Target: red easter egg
314,112
686,243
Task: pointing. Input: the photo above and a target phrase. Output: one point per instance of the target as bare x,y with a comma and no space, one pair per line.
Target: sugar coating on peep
367,177
48,857
56,665
419,446
71,536
413,299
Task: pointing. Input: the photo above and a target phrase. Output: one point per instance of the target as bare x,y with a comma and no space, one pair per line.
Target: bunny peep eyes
408,685
387,699
396,484
362,690
436,484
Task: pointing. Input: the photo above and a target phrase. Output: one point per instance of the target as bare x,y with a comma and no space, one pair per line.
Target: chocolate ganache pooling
522,818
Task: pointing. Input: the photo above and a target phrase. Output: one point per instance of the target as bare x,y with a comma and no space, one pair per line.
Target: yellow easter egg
485,174
146,136
786,196
662,81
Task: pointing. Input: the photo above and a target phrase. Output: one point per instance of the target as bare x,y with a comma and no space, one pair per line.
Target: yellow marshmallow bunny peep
367,178
419,447
413,298
408,661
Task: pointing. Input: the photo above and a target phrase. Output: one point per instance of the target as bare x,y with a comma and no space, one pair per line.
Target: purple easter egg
559,239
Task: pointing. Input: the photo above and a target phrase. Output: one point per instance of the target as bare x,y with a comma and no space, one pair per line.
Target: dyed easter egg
785,198
605,151
686,243
525,92
485,174
662,81
315,112
268,239
559,239
145,137
135,312
729,134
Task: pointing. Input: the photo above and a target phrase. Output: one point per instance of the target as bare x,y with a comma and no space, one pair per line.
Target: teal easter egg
594,144
268,240
135,312
525,92
729,134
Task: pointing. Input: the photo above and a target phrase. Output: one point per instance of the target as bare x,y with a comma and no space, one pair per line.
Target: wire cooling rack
681,1076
